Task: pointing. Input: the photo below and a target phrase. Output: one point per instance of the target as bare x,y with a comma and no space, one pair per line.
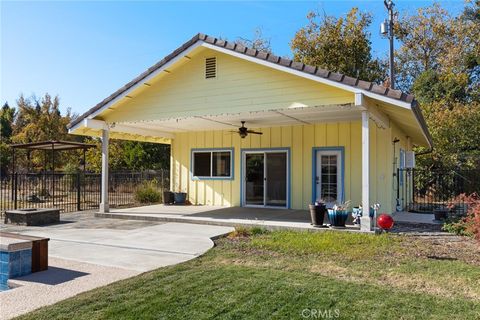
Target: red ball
385,221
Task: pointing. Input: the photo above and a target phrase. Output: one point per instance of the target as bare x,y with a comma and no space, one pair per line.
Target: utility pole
386,28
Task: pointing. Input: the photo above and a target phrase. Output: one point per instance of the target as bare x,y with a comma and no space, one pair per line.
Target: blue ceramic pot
180,197
337,217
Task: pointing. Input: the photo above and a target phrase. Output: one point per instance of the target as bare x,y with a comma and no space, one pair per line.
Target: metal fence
74,192
426,190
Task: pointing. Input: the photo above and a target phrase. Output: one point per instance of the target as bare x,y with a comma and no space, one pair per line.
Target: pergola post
104,208
365,221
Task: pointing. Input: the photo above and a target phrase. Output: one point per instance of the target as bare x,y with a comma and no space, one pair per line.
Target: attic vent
210,68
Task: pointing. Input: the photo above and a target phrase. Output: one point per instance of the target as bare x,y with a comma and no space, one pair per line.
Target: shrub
147,192
245,232
468,225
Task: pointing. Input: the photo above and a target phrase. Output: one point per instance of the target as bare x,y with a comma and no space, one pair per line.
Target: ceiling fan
243,131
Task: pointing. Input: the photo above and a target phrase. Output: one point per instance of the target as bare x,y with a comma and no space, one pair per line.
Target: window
215,164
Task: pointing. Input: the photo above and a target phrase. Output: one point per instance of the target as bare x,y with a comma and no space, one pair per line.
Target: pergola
52,146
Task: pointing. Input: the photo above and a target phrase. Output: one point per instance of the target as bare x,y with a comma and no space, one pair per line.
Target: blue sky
84,51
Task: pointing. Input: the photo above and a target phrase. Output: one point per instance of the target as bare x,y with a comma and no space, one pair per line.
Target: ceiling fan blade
254,132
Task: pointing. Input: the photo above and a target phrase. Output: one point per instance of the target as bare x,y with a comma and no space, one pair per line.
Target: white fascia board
308,76
94,124
140,83
119,128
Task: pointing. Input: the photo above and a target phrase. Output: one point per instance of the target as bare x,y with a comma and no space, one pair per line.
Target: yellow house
312,134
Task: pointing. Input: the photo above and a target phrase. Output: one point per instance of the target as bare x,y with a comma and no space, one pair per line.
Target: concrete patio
221,216
87,252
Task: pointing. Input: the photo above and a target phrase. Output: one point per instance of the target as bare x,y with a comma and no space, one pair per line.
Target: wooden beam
366,104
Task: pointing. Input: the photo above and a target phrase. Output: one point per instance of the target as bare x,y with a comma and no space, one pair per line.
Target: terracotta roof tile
273,58
220,43
350,81
396,94
262,55
409,98
240,48
285,62
310,69
378,89
366,85
210,40
336,76
251,52
322,73
230,45
297,65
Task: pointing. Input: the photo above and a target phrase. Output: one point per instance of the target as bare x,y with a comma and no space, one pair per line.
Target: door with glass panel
265,178
329,179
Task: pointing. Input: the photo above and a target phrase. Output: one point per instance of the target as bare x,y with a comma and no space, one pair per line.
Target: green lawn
297,275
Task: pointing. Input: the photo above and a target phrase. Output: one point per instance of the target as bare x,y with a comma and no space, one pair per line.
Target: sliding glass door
265,178
254,178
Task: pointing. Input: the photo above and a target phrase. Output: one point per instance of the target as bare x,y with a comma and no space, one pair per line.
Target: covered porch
315,135
267,218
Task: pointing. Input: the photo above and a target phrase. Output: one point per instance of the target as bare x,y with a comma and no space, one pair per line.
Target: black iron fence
426,190
74,192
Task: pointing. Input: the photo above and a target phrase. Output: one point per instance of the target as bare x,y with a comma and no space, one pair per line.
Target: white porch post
104,196
365,223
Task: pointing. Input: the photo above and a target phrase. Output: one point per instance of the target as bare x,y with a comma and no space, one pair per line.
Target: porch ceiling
294,115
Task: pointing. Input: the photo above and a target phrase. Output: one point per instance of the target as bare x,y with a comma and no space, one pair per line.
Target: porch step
268,225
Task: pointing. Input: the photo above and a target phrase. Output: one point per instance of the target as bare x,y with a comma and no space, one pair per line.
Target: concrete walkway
416,218
87,252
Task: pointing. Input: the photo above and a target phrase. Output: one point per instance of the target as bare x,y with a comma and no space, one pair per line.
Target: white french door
265,178
329,176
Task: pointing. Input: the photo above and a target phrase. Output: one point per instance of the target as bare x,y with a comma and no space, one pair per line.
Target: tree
129,155
40,120
7,115
432,86
258,42
339,44
455,128
434,41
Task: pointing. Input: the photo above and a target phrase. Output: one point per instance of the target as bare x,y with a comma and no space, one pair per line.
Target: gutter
418,114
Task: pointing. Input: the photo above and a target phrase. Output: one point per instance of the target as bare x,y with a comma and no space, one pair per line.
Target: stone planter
317,214
32,217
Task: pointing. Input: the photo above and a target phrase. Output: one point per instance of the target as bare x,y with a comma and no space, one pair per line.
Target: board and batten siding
300,139
240,86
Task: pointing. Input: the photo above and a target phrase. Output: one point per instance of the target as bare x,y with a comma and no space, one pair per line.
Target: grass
284,275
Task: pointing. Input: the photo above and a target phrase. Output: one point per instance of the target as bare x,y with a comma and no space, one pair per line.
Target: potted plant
338,215
180,197
317,212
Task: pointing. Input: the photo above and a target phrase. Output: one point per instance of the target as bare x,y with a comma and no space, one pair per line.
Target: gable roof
333,77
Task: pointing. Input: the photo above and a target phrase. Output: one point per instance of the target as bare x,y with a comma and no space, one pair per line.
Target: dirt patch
444,248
